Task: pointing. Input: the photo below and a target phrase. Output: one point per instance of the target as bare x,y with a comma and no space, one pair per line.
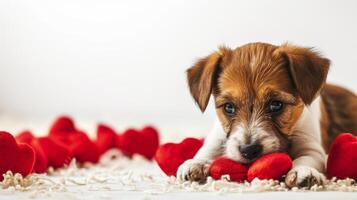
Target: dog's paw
193,170
304,176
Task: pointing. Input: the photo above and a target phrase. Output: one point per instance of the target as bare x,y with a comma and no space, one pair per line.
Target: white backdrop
124,61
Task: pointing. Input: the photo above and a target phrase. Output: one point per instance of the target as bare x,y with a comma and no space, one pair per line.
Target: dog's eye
275,106
229,108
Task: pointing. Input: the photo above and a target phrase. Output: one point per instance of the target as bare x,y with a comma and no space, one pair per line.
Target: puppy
269,99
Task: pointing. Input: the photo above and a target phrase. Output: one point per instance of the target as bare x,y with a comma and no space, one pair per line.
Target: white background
124,62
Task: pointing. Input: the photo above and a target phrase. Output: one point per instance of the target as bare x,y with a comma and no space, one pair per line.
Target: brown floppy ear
203,75
308,70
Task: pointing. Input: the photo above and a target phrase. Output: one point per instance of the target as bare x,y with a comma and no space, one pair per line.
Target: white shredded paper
137,174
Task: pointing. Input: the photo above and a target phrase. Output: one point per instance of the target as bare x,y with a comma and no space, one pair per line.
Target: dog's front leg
197,169
308,164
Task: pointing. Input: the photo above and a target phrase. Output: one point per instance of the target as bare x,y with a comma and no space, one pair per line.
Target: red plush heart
18,158
144,142
62,124
82,148
270,166
25,137
224,166
342,158
170,156
57,153
128,142
106,137
149,143
41,163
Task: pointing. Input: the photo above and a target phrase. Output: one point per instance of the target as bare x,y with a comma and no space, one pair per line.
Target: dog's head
260,91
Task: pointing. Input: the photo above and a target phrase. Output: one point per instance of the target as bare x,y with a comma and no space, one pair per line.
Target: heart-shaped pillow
18,158
144,142
225,166
149,143
106,137
63,124
270,166
61,129
81,147
342,158
170,156
41,163
57,153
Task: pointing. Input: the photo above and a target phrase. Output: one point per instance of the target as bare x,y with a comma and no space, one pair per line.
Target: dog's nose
250,151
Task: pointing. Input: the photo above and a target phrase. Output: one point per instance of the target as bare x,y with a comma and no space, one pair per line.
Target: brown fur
308,70
203,76
340,113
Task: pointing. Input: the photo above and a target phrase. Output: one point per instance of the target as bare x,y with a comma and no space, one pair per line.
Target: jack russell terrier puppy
269,99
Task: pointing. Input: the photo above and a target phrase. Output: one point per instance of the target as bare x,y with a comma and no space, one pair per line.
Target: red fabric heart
222,166
144,142
128,142
149,143
170,156
18,158
62,124
342,158
82,148
270,166
41,163
57,153
106,137
25,137
79,144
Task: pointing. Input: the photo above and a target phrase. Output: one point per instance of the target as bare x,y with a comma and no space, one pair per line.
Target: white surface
140,179
124,61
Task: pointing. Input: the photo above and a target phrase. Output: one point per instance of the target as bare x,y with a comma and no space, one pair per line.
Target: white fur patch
306,148
309,121
235,139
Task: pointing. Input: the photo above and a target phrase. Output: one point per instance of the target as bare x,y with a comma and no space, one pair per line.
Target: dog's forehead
254,68
256,57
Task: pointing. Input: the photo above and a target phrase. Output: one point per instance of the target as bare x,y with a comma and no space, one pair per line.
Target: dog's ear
308,70
203,75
